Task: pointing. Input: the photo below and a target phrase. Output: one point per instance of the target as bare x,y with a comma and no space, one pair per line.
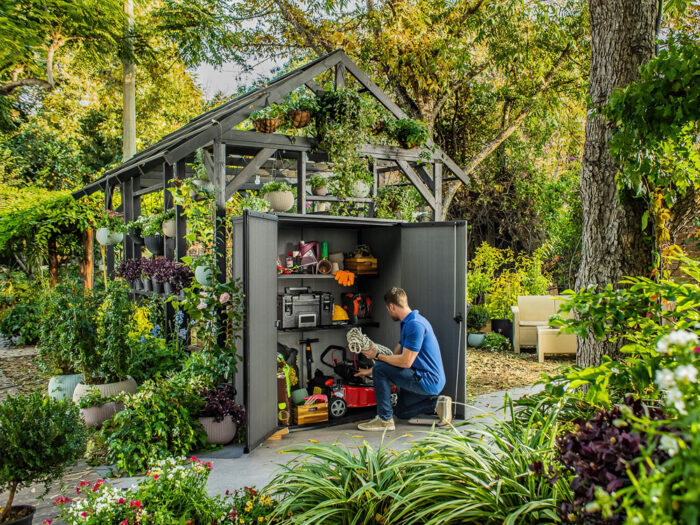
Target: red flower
136,504
696,349
125,521
77,490
227,492
121,501
83,483
193,458
156,476
208,464
83,514
61,500
47,522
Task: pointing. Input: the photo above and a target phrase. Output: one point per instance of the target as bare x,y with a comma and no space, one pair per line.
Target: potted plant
477,318
176,276
254,203
103,354
152,234
279,194
496,342
300,111
220,415
319,185
362,185
504,294
342,106
66,315
168,222
130,271
95,409
135,229
159,268
268,119
409,133
110,228
38,438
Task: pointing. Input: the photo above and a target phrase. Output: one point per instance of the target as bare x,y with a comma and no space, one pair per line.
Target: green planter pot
475,340
62,387
203,275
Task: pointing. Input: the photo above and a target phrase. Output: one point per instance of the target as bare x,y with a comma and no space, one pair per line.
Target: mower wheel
337,407
394,399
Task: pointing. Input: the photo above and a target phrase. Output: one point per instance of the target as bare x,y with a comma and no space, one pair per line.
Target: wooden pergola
233,157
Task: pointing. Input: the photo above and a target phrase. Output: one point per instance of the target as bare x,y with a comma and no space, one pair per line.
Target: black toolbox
302,308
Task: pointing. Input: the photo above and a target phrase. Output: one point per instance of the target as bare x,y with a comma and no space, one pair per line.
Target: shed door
259,261
434,273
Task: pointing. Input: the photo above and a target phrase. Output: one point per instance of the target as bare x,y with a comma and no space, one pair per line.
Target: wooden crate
305,414
362,265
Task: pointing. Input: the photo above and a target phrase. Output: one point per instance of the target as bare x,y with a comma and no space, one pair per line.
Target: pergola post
109,250
301,182
437,181
180,217
169,245
220,229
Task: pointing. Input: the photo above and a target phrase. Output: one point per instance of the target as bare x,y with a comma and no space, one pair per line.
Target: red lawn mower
347,391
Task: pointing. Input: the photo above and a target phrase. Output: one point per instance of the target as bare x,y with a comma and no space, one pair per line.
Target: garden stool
553,341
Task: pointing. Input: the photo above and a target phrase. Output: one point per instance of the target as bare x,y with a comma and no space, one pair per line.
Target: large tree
613,245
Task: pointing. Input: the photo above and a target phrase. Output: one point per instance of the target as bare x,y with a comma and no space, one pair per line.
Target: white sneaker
443,409
377,425
425,420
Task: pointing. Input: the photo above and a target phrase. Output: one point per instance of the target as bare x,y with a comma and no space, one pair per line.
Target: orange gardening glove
345,278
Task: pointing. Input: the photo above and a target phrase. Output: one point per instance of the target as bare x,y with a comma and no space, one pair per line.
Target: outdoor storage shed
427,259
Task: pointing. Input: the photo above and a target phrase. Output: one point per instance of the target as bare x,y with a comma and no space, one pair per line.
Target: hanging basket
267,125
299,118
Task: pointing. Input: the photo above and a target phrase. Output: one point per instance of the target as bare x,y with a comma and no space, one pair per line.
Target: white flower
665,379
675,397
681,337
669,445
687,374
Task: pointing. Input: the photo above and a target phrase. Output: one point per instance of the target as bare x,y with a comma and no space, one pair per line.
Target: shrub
409,133
316,182
274,186
153,358
157,422
39,436
21,321
113,327
496,343
219,403
477,318
249,506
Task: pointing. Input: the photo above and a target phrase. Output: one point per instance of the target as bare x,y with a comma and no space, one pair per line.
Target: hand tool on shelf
308,354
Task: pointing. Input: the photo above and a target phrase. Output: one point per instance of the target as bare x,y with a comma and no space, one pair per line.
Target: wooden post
169,248
180,217
87,262
339,76
108,257
219,181
301,182
373,205
437,180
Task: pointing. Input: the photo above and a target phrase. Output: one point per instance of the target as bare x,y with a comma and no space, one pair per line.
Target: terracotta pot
108,238
107,389
299,118
63,386
321,192
24,520
169,228
267,125
95,416
360,189
280,200
219,433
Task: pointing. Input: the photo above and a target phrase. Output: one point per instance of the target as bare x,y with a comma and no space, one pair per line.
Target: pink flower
125,521
47,522
156,476
208,464
121,501
136,504
696,350
224,298
83,514
61,500
202,305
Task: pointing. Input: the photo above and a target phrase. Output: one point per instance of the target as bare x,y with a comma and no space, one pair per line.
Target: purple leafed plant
219,403
148,266
179,275
129,269
598,453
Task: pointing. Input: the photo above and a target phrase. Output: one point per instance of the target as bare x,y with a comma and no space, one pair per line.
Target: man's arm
397,349
403,360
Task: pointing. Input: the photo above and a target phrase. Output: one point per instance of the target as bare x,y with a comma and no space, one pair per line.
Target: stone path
260,466
18,362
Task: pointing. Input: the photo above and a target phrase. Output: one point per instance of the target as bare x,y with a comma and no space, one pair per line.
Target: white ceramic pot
108,238
280,200
203,275
169,228
321,192
360,189
107,389
63,386
95,416
322,206
219,433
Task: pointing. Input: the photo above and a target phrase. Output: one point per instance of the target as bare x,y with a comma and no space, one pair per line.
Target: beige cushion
534,323
536,307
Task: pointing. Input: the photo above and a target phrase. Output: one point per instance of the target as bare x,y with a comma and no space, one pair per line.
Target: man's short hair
396,296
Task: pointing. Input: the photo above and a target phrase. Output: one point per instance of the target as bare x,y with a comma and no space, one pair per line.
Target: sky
229,77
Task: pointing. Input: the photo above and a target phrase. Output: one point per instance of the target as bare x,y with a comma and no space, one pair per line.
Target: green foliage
409,133
114,323
271,111
309,104
274,186
486,262
94,398
39,436
29,218
316,182
22,321
157,422
153,224
398,201
495,342
112,220
477,318
490,474
153,357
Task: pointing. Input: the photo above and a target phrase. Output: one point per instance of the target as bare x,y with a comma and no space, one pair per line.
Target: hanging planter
360,189
154,244
319,185
299,118
267,125
409,133
202,275
106,237
169,228
279,195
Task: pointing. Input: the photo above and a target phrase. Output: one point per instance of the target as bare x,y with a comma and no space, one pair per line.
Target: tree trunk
129,95
622,39
53,261
10,499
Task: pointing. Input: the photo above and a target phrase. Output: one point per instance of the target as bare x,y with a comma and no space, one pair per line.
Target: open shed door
434,273
254,262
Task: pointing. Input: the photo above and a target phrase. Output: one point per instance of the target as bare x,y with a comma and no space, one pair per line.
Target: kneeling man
416,368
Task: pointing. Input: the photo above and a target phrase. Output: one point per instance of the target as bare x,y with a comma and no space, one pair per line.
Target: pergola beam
247,172
417,182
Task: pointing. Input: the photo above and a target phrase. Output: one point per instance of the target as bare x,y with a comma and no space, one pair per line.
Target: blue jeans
413,399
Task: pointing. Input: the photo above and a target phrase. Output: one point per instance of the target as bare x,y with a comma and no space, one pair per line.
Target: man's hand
364,372
372,352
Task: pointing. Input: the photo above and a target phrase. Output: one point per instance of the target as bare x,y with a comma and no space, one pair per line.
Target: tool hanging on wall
308,354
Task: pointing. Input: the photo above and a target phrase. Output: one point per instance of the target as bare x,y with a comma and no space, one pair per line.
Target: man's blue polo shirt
417,335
